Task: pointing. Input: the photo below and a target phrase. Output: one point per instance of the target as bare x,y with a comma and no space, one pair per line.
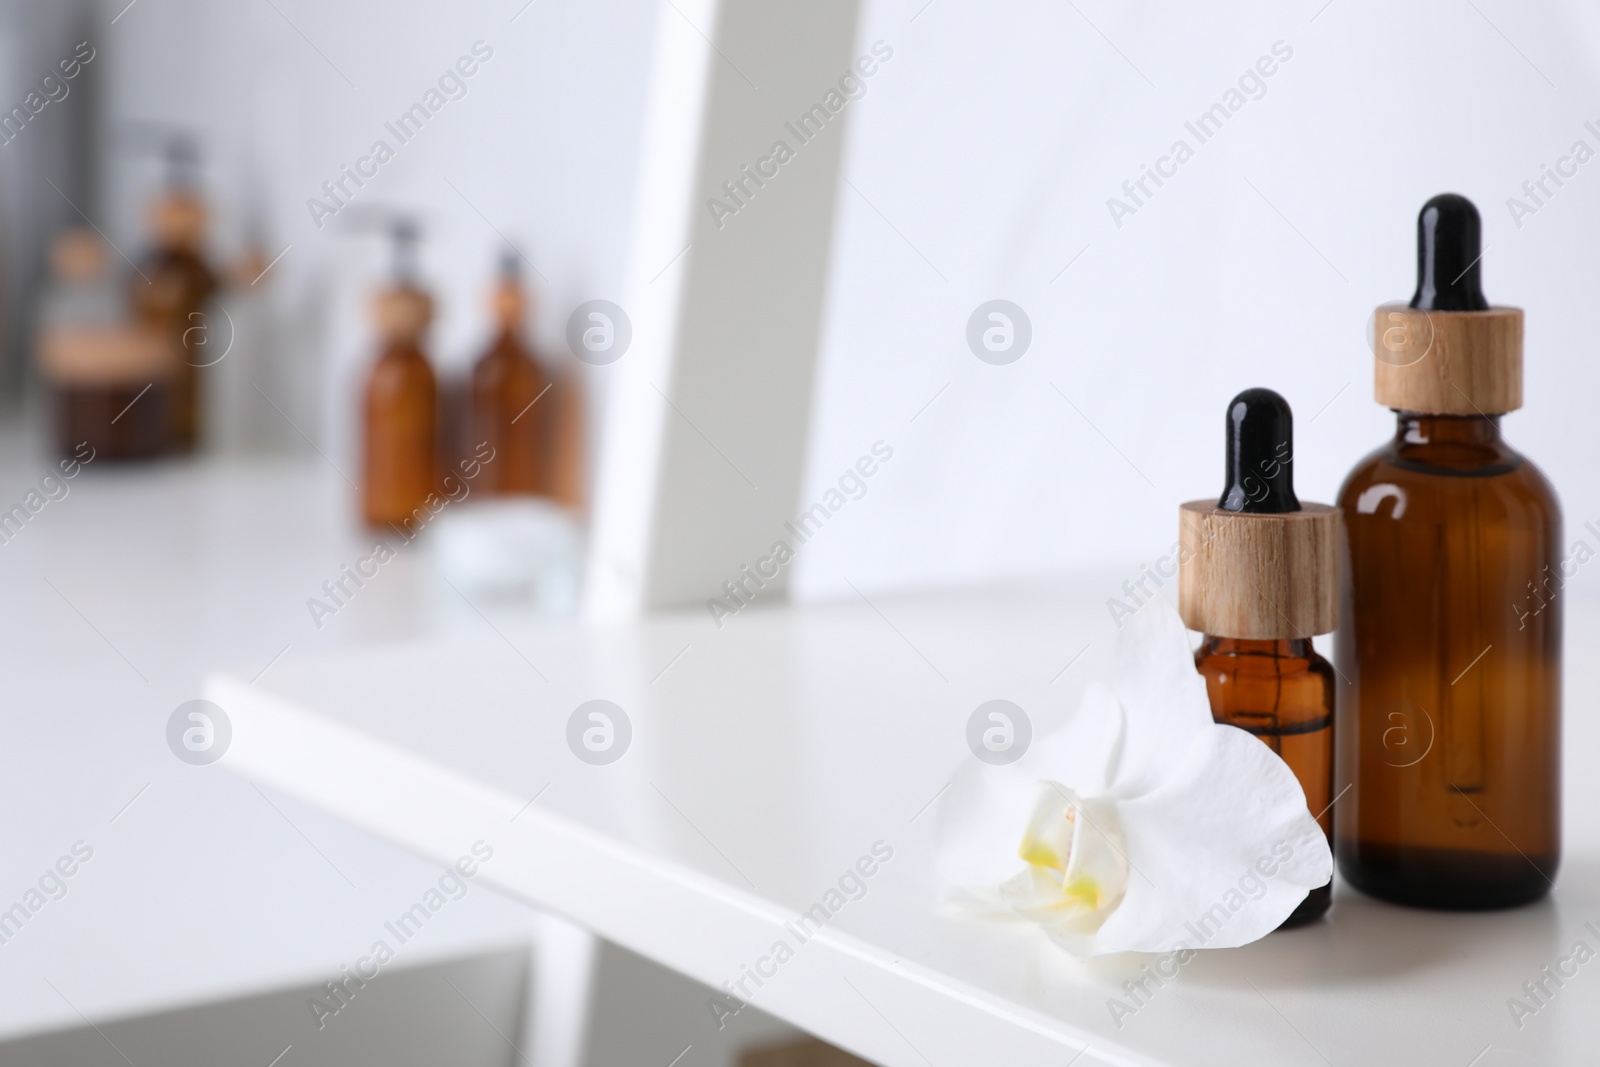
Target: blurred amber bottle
566,470
509,406
110,381
1258,576
400,409
172,290
1451,729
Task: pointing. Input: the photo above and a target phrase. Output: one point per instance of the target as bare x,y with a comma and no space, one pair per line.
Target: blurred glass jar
110,379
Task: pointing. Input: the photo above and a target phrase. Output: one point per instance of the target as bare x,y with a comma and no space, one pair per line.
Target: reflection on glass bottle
1450,732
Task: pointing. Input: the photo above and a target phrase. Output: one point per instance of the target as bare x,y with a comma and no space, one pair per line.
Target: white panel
627,465
703,463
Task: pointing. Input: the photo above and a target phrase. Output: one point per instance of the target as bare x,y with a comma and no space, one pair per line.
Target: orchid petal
980,816
1163,697
1085,750
1221,852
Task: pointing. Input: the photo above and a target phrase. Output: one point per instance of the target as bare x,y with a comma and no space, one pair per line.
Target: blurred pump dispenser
1258,576
400,407
172,289
111,381
507,391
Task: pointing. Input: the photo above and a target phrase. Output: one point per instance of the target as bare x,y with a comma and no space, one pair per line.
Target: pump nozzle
1449,246
510,265
183,162
403,232
178,147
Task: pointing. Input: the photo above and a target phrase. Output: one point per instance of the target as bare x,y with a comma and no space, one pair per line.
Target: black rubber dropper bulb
1260,444
1449,246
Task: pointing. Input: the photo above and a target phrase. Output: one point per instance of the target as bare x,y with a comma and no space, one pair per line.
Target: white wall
980,162
991,143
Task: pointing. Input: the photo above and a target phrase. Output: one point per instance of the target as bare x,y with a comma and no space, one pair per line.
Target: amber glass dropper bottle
172,290
1450,730
507,387
400,411
1258,577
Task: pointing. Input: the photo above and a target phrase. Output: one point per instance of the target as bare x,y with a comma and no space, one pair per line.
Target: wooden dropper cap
1448,352
1258,564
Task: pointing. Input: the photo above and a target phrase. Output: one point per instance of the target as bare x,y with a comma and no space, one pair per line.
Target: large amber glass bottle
1449,729
1258,574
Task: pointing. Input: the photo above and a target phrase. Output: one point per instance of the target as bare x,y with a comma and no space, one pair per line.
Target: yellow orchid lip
1038,846
1083,890
1041,855
1075,875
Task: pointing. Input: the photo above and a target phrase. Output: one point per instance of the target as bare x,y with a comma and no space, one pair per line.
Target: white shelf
769,755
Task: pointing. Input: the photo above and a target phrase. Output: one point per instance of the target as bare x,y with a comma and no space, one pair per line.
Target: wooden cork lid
1448,362
1448,352
1258,576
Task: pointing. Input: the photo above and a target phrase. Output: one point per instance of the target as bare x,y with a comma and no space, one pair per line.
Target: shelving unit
768,755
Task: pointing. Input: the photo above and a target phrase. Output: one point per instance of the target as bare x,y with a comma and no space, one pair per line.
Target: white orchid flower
1142,825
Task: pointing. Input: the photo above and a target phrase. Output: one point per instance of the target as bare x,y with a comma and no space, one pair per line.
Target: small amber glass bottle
171,294
1281,691
1450,729
401,406
1258,573
510,412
